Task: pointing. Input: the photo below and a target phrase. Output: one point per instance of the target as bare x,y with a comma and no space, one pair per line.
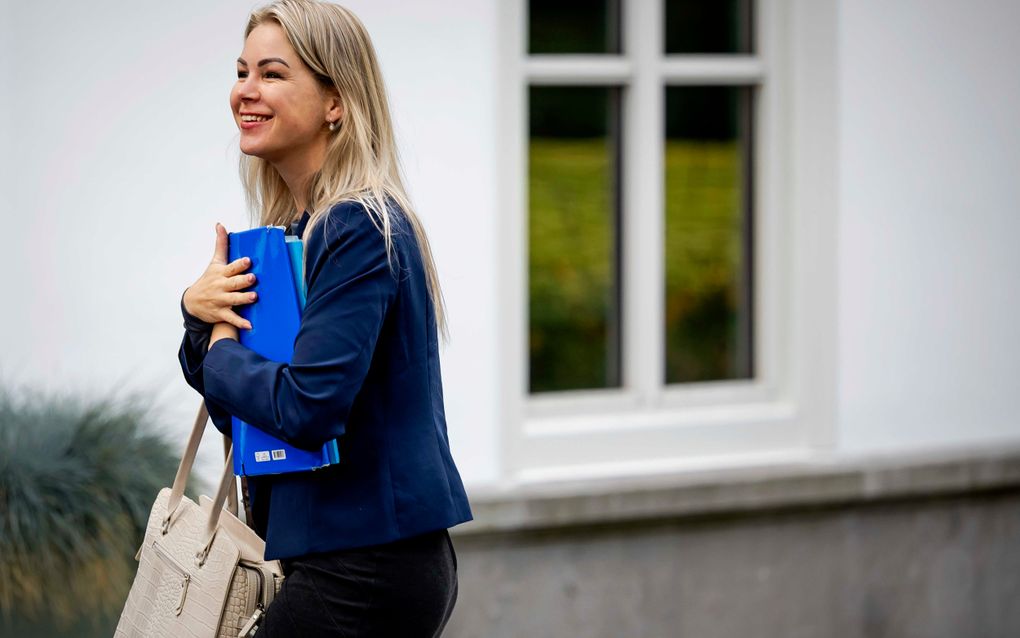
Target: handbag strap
184,470
228,457
213,523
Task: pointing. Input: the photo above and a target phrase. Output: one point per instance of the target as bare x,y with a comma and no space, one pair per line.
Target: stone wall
922,546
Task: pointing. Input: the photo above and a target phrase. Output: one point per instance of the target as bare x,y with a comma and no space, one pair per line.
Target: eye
273,74
241,75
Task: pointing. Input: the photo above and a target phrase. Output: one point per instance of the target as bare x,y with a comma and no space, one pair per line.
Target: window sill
823,482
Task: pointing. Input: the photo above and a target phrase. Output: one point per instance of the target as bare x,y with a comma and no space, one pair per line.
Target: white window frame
785,413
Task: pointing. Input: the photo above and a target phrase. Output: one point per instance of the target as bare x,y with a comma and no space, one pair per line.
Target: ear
334,107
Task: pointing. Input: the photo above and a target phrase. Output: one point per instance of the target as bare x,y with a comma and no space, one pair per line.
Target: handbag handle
228,457
213,523
184,470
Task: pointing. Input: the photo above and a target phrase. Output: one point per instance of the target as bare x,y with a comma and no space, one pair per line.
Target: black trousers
404,589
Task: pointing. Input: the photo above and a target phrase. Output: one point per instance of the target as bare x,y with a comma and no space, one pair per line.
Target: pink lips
251,125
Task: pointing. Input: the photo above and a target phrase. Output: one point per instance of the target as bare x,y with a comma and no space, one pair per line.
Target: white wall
114,127
439,59
123,157
929,291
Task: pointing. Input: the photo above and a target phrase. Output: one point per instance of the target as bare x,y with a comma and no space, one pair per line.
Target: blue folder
277,263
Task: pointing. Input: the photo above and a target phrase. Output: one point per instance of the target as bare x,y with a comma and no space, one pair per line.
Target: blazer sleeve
191,356
350,288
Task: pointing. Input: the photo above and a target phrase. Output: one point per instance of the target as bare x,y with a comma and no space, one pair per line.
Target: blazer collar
297,227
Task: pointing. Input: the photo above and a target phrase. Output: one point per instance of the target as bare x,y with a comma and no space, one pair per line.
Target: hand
213,296
222,330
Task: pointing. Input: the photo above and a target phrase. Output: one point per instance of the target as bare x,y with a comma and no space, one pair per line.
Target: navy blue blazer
366,371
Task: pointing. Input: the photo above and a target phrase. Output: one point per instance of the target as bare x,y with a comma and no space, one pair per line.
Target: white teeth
254,118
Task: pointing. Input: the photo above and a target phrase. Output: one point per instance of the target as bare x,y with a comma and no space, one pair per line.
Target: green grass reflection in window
573,238
708,234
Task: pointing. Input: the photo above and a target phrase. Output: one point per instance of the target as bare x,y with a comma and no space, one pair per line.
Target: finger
235,320
239,282
236,267
240,298
222,245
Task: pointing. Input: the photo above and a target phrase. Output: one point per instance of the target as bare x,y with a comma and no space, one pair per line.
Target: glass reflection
708,26
573,26
573,238
708,234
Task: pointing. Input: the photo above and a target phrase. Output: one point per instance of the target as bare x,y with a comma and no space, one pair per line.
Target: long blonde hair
361,163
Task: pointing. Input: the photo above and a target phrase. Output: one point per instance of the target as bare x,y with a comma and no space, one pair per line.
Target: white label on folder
279,455
262,456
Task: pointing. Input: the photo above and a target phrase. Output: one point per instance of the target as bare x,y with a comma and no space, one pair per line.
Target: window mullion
707,70
562,70
642,218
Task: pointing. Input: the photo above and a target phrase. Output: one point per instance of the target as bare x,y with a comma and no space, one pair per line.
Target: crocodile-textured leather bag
200,568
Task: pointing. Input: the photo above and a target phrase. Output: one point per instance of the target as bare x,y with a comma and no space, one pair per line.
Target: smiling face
283,111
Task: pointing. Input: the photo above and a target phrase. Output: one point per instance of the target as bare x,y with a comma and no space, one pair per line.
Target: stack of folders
278,265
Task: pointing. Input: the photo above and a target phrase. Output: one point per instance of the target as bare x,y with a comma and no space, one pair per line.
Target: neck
297,171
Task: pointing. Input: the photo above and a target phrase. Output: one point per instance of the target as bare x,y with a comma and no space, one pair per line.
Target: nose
247,89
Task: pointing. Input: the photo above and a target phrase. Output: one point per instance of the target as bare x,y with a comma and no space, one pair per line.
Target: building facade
758,242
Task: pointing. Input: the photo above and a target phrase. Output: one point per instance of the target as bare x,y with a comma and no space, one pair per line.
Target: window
573,233
645,239
575,229
708,233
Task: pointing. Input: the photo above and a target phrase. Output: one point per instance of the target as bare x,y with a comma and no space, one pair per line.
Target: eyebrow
264,62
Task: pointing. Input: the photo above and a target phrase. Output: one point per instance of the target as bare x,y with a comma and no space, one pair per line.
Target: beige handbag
200,568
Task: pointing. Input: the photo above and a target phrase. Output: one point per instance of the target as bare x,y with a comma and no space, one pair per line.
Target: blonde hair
361,162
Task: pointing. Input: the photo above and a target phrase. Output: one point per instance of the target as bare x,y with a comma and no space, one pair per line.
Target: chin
252,149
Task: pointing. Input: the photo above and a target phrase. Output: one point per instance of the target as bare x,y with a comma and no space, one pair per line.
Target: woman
364,543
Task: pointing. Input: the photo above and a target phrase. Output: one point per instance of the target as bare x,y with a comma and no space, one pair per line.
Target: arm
211,297
350,288
222,330
193,347
198,337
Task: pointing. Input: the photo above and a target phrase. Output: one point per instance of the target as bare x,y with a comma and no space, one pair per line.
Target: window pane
573,238
574,26
708,234
708,26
